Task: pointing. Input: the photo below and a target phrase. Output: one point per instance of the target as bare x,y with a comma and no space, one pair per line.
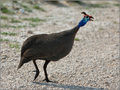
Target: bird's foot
47,80
36,75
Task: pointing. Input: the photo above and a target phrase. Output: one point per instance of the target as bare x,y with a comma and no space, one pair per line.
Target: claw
36,75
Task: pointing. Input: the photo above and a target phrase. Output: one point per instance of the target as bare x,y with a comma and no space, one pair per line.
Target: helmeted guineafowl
50,47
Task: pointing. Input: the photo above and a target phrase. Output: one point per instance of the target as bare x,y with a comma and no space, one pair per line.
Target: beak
91,18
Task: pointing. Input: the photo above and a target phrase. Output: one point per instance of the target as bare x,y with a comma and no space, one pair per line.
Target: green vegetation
79,2
117,4
18,26
21,26
5,26
6,10
15,1
77,39
16,45
101,28
115,22
15,21
33,24
4,17
96,5
88,5
33,19
38,8
11,26
4,40
26,8
8,33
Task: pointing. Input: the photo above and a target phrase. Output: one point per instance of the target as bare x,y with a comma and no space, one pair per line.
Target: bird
50,47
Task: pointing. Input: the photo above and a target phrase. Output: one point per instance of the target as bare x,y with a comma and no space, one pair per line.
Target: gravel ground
92,63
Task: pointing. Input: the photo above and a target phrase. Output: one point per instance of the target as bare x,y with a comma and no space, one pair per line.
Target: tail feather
20,65
22,61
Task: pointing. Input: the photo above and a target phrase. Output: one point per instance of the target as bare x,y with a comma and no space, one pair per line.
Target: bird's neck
76,28
80,24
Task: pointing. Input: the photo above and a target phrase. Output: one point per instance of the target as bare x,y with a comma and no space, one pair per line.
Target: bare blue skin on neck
83,22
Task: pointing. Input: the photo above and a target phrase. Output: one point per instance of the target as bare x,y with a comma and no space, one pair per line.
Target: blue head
85,19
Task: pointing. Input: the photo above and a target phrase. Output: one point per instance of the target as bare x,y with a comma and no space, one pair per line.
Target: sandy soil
92,63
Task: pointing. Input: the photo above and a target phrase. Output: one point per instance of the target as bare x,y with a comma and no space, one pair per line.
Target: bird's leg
37,70
46,75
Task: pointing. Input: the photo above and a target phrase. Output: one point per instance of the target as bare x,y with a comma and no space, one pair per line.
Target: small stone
5,57
30,32
21,86
107,83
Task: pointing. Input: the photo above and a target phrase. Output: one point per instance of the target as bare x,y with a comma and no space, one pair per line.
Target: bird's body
48,47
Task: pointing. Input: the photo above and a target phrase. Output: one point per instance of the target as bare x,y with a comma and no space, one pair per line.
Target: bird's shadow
70,87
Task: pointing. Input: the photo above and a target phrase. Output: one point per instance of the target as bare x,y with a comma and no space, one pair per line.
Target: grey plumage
49,47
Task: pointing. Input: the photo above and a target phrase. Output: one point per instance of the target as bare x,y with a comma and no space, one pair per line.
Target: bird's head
85,19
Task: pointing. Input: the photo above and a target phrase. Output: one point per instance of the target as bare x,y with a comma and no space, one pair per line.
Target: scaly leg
37,70
46,75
